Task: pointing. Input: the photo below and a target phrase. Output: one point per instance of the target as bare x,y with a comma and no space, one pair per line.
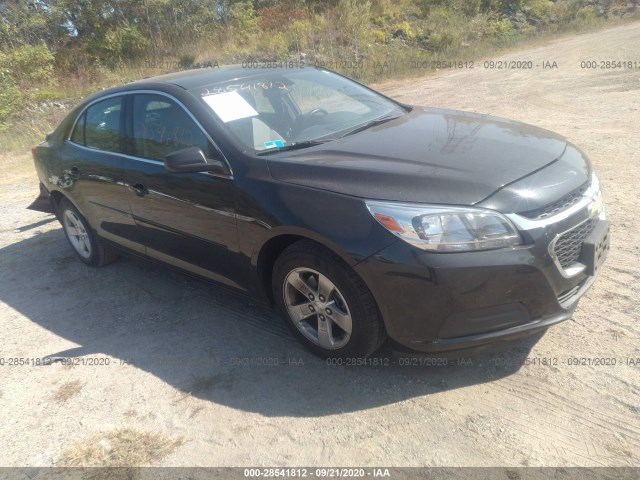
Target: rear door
92,170
184,219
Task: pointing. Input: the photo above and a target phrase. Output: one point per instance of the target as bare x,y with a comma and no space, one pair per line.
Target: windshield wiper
295,146
371,123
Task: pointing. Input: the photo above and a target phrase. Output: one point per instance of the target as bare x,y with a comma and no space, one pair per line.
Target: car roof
190,79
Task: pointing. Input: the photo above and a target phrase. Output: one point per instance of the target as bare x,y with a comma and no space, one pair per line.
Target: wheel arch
264,258
56,197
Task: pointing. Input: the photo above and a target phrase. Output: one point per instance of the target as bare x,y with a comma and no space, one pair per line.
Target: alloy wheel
77,233
317,308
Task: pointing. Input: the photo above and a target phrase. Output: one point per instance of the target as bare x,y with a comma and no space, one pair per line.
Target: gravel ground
183,356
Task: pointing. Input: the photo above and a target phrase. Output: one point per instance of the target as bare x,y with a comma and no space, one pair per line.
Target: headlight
446,229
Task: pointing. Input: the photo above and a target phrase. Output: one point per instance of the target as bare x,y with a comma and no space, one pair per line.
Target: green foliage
120,45
539,10
353,18
444,29
298,35
500,27
405,30
29,64
244,21
9,96
29,23
276,45
379,36
21,71
468,8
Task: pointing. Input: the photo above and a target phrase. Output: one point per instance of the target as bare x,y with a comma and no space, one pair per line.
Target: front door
184,219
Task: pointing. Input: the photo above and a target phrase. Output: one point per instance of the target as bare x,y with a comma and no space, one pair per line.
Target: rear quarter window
78,132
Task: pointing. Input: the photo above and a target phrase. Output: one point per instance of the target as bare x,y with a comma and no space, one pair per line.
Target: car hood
428,155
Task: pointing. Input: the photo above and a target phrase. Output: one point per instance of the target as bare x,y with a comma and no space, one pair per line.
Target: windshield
294,109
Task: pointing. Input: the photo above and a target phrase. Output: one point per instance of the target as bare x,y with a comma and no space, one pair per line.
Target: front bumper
481,339
434,302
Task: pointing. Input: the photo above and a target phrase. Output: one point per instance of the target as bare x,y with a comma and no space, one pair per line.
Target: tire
84,241
325,303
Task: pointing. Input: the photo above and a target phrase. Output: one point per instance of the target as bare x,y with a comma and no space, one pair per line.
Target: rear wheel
84,241
326,305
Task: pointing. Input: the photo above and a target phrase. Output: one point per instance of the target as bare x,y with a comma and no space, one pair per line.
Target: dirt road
180,352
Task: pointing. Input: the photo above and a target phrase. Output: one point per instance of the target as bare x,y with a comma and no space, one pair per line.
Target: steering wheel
304,119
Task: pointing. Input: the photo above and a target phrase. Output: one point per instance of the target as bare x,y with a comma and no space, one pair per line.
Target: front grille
557,206
569,245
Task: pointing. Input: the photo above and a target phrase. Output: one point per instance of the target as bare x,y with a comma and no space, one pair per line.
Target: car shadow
213,343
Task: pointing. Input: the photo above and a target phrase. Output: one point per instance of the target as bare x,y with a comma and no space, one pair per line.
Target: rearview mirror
192,160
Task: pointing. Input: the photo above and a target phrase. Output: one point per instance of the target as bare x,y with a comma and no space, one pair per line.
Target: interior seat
252,131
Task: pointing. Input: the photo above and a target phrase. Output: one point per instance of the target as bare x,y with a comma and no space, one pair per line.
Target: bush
21,71
121,45
298,35
353,17
444,29
74,61
10,96
501,27
187,61
29,65
276,45
244,21
405,30
379,36
539,11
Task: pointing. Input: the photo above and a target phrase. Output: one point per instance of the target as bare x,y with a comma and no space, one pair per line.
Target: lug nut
322,298
312,308
322,318
311,297
329,312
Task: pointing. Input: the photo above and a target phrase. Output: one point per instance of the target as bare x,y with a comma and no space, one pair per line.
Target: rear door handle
140,190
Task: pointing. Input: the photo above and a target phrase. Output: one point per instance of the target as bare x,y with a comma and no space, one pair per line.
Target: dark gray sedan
359,217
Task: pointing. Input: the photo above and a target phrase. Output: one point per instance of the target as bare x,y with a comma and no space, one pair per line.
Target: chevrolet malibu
359,217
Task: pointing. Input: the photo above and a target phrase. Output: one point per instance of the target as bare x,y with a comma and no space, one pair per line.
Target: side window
102,125
161,126
78,132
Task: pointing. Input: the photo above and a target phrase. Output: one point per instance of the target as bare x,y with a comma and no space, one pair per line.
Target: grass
67,390
119,448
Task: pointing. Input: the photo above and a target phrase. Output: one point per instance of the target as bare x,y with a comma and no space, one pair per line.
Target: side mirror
191,160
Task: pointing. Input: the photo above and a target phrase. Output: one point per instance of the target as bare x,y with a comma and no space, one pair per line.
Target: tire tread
104,254
375,333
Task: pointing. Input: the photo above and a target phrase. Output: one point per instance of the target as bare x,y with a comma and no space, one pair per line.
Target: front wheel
86,244
325,303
